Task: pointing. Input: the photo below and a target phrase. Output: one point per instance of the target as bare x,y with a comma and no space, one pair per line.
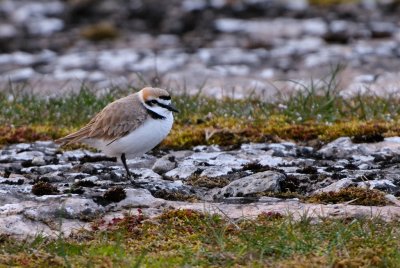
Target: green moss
174,196
204,181
358,196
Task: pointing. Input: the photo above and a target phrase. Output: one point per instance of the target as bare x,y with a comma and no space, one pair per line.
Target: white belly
138,142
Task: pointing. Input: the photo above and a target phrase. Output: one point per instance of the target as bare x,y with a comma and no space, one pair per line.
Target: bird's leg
123,159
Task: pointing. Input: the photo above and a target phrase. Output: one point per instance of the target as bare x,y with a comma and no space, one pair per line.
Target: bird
128,127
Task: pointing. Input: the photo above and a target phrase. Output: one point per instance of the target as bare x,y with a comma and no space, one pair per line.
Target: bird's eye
151,102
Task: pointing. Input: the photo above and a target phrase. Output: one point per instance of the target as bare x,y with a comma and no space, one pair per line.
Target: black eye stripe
165,97
151,102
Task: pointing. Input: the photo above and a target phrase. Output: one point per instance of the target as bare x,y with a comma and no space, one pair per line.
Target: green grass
317,111
187,238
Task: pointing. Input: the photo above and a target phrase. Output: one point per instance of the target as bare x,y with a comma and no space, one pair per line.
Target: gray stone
19,226
6,158
391,198
20,75
206,149
76,175
8,31
116,60
216,171
92,178
364,166
10,209
13,180
345,148
29,155
317,27
38,161
73,155
80,208
19,58
92,168
139,198
271,161
164,164
45,26
336,186
381,29
146,173
181,172
384,185
267,181
47,168
267,29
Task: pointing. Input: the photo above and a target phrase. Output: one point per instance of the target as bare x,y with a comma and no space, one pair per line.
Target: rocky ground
225,47
48,190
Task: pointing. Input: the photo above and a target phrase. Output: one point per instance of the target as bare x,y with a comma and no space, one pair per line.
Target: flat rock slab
44,189
21,226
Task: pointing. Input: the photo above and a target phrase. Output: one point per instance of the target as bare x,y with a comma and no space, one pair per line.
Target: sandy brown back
116,120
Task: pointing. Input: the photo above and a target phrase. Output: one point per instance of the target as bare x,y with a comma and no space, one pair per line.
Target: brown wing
116,120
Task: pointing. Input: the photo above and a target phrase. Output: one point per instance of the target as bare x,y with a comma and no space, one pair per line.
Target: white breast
140,141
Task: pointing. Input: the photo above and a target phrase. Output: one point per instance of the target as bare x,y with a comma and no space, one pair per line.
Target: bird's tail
74,137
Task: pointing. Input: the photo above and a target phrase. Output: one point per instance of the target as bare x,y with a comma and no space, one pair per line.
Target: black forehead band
165,97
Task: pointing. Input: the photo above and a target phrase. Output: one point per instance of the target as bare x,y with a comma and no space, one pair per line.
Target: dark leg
123,159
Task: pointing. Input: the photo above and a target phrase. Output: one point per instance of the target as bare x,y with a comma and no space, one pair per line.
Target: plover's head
157,99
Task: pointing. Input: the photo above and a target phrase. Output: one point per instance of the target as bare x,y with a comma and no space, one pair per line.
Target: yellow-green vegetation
204,181
187,238
174,196
100,31
318,112
353,195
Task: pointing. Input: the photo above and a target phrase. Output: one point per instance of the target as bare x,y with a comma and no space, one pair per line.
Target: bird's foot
128,175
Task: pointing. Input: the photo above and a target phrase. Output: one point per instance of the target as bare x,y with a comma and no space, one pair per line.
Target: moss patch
112,195
44,188
100,31
207,182
174,196
359,196
115,194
